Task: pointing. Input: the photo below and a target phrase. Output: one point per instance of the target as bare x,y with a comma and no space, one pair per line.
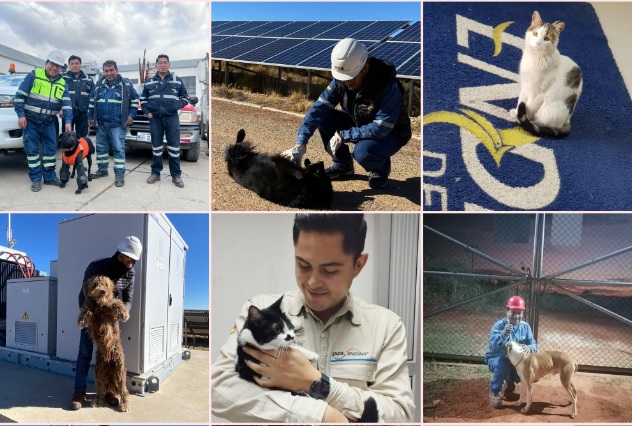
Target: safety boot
495,401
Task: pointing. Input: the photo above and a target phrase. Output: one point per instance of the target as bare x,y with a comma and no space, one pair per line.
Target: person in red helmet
509,329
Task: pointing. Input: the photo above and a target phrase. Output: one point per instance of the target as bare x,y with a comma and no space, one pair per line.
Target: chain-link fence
574,271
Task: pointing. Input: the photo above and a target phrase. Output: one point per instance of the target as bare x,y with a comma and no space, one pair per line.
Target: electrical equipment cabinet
32,314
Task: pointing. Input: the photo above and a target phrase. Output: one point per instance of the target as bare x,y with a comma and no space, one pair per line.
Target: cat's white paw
312,356
513,113
297,323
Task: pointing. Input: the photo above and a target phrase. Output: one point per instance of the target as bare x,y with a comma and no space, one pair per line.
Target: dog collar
522,359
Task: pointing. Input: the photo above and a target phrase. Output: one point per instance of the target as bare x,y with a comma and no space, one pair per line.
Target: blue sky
36,235
315,11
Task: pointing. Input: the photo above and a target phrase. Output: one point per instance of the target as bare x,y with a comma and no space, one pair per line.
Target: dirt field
460,394
273,132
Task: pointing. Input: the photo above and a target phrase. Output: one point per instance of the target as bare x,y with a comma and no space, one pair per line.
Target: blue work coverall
496,359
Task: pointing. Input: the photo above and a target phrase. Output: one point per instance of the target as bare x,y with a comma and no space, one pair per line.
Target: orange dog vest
83,147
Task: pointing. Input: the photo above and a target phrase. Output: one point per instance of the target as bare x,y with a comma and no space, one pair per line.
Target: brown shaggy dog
100,315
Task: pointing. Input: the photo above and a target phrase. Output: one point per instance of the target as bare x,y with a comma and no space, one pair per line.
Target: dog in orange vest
74,150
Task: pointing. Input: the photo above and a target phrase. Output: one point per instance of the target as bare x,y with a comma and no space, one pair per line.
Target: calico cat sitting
550,84
278,179
270,329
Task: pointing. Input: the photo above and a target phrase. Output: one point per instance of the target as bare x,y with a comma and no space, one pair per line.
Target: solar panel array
308,44
404,50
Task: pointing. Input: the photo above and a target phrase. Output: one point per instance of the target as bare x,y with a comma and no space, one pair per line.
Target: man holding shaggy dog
373,117
120,268
41,96
513,329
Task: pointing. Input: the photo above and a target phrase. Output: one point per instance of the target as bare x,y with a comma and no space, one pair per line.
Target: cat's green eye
276,329
535,33
547,38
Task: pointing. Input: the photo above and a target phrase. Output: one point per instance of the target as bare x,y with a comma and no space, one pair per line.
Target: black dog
278,179
73,152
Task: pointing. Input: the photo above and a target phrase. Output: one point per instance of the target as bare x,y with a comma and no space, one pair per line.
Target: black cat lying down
269,328
278,179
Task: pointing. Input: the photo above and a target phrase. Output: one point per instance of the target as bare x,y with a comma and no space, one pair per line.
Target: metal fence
8,270
573,270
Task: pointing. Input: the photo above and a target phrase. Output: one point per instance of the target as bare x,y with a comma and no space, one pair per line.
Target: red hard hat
516,302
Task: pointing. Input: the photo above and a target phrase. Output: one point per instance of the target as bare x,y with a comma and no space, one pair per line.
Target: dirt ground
464,398
273,132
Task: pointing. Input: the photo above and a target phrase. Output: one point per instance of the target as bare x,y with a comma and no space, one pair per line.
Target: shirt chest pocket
356,374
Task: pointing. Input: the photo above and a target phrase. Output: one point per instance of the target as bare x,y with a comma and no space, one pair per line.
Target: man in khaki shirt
361,347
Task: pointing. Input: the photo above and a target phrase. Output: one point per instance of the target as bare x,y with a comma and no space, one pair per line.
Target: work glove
507,330
525,349
335,142
295,153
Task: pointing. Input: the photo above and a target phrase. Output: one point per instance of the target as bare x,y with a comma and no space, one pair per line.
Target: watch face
325,387
320,388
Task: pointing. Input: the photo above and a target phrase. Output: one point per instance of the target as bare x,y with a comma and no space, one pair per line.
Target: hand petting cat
289,370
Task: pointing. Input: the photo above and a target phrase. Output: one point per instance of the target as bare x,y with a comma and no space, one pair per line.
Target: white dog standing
533,366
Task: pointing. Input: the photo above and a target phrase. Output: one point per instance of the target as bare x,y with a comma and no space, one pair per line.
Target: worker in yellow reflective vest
41,96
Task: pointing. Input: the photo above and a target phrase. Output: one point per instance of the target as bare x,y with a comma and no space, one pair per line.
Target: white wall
253,253
19,66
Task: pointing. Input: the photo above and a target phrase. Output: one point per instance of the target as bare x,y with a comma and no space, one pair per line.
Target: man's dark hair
74,57
110,63
352,226
162,55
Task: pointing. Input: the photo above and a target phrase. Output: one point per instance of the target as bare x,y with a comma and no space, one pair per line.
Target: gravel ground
275,131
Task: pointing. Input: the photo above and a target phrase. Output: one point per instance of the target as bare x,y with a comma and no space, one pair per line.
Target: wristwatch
320,388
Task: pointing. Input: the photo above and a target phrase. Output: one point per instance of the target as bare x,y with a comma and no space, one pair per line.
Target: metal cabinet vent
26,333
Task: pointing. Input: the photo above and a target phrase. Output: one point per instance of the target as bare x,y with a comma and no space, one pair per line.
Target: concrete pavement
29,395
102,195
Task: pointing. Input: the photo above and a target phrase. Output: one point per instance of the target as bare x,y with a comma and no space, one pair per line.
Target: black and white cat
278,179
550,83
265,329
270,329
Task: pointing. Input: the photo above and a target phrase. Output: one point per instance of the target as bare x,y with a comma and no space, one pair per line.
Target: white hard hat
348,58
56,57
131,247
